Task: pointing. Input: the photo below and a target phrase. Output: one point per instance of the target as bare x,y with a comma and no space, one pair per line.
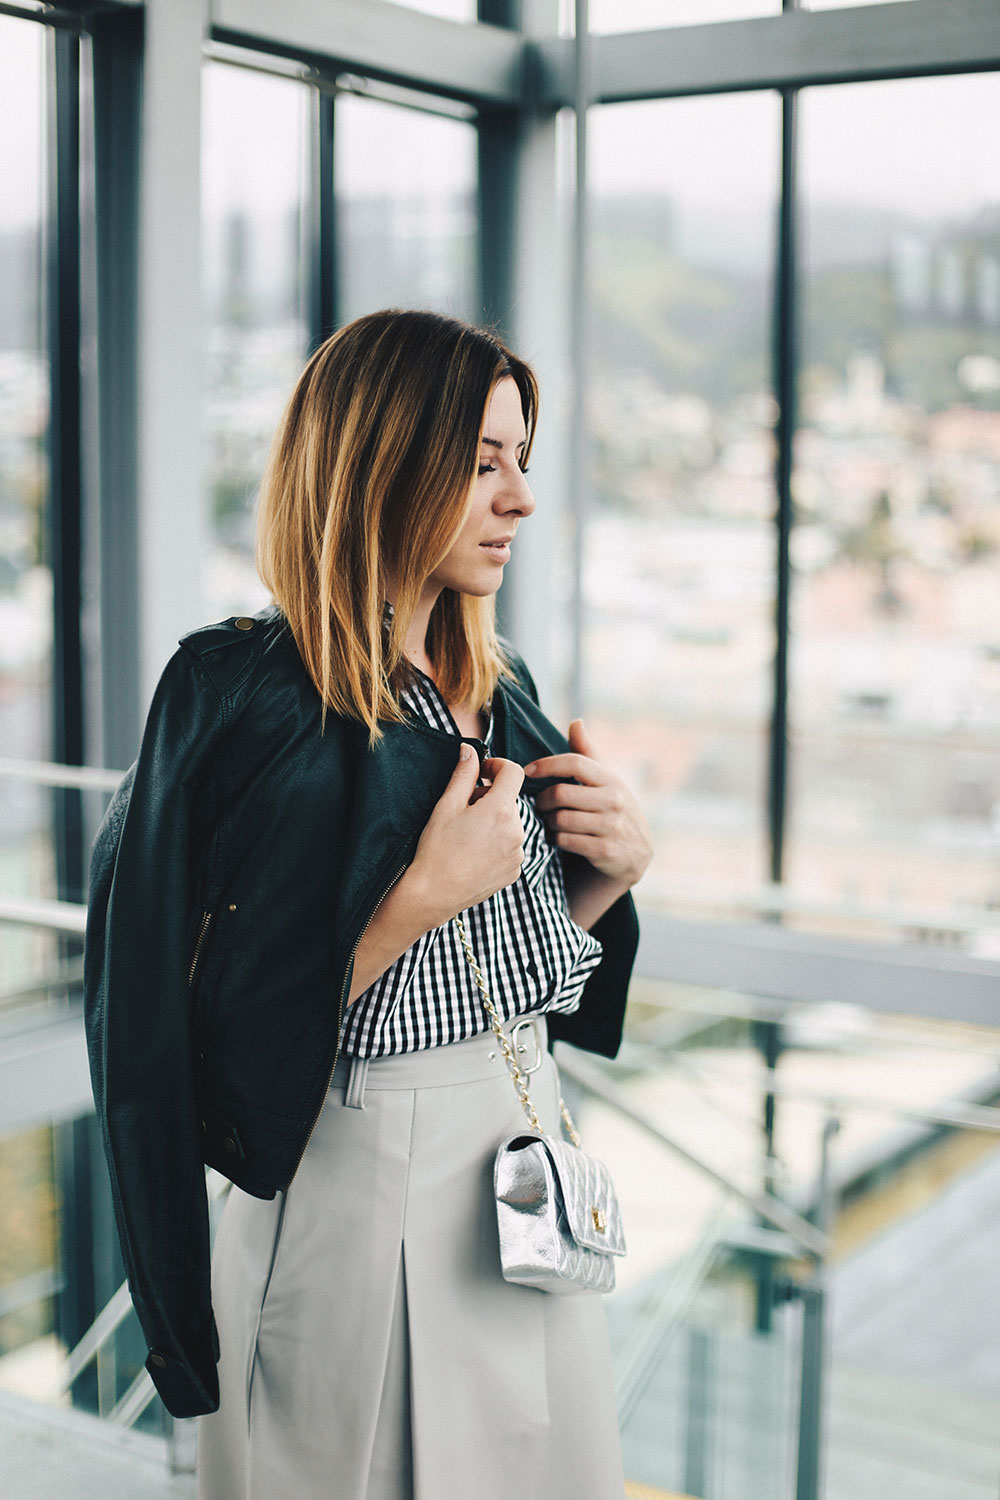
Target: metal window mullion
497,158
784,376
64,530
496,195
323,279
117,42
578,466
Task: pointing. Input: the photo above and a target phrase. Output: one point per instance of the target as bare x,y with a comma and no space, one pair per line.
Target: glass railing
747,1368
805,1307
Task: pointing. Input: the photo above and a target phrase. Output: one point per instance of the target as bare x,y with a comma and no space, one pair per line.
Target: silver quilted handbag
557,1213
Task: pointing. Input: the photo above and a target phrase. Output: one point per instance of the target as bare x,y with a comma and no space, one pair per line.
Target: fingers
580,762
506,775
601,824
566,766
464,777
604,798
580,741
584,844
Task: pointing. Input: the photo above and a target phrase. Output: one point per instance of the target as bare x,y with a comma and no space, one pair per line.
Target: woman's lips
499,550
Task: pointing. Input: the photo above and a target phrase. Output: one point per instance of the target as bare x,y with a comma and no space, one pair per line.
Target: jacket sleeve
138,951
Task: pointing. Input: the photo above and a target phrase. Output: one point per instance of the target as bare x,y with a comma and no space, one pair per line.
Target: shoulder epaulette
237,630
227,651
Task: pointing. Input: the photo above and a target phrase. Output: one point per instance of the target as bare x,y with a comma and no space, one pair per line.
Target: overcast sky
925,146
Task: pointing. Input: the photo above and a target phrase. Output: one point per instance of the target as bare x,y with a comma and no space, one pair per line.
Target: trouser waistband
477,1058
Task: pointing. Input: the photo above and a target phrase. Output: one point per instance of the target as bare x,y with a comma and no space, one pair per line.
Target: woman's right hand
472,846
473,843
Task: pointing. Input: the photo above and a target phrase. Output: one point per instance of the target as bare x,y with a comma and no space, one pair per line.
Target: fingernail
465,752
530,770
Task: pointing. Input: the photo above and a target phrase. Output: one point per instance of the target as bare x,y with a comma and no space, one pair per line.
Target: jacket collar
397,784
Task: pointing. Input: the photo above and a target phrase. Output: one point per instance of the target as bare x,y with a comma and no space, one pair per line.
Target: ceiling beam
480,63
797,47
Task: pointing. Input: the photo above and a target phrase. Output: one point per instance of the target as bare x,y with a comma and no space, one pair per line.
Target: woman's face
500,501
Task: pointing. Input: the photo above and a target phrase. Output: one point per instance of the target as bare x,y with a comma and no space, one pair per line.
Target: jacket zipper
340,1019
206,917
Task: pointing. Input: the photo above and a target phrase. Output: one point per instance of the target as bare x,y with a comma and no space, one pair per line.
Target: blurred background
753,251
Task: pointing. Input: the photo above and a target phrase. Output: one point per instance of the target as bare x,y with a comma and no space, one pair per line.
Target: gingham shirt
533,955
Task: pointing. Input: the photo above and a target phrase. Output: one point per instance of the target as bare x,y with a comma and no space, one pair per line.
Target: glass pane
679,578
843,4
26,863
254,300
29,1263
650,15
406,209
895,666
451,10
912,1339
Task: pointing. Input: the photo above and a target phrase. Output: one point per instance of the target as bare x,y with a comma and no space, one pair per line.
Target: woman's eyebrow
496,443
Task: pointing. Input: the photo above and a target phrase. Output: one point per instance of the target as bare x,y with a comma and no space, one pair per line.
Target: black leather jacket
231,880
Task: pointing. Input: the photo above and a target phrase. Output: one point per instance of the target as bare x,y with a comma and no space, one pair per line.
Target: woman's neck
415,645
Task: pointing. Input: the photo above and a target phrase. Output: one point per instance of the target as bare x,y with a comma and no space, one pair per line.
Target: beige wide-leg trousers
370,1348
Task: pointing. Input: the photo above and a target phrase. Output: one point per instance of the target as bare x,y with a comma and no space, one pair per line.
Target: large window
255,249
406,209
25,573
647,15
895,637
404,187
449,10
40,843
679,575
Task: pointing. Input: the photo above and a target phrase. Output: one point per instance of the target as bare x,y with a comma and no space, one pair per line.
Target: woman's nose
516,496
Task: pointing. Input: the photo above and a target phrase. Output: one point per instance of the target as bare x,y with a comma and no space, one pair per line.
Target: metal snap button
243,623
158,1361
229,1145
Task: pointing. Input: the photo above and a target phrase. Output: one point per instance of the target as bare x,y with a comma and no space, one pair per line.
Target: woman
275,984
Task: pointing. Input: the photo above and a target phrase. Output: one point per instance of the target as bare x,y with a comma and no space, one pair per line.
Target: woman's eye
487,469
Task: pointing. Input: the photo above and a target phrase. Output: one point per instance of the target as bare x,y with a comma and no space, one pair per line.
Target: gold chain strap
516,1076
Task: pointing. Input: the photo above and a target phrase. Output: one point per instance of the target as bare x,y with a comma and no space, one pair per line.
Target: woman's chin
479,588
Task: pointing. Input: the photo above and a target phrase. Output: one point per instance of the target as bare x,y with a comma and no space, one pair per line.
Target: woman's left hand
594,814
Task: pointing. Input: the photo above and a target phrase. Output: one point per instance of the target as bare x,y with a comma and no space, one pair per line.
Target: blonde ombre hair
370,478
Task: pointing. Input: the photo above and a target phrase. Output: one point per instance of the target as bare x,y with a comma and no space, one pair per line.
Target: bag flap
592,1210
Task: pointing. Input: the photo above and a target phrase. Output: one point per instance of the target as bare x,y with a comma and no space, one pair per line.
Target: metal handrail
775,899
769,898
592,1078
56,916
53,773
956,1113
675,1297
110,1318
130,1406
